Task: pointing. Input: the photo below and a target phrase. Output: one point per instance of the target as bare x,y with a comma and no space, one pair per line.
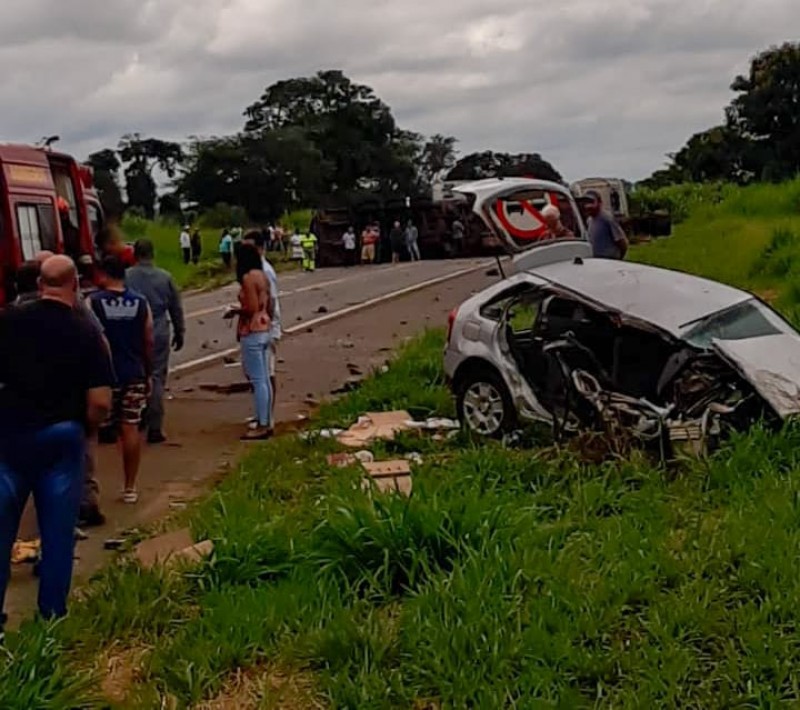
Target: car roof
667,299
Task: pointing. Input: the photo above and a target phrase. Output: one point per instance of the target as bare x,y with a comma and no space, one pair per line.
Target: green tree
351,128
766,111
477,166
438,154
106,165
140,157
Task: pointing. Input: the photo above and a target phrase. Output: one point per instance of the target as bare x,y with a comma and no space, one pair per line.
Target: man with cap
605,235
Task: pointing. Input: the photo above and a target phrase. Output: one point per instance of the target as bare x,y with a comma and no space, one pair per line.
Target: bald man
55,384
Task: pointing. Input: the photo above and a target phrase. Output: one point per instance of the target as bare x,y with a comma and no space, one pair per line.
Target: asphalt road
306,297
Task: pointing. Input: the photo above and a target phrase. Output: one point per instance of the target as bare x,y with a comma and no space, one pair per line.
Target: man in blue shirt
606,236
128,325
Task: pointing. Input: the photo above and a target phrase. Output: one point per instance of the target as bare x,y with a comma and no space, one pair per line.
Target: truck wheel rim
483,408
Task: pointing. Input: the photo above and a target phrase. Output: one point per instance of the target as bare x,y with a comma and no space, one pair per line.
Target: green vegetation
210,272
508,579
745,236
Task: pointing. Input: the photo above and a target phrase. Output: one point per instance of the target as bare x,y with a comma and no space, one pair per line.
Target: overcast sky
599,87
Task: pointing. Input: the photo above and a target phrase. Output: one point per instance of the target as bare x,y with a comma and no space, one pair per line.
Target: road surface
305,297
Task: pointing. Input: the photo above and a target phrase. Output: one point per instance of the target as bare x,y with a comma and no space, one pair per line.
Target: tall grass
508,579
748,237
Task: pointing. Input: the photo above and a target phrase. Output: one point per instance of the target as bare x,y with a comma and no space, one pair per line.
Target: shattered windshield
751,319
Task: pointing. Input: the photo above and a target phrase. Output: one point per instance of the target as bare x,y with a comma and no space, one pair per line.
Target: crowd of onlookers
73,370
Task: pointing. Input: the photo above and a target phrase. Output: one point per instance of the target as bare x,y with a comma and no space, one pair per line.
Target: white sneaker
130,497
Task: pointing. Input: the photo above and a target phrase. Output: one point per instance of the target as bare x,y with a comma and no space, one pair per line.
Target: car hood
771,364
511,209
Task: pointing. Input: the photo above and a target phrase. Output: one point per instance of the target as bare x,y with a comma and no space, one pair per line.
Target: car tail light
451,319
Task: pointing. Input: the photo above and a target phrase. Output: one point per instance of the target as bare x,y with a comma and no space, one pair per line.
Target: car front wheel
484,405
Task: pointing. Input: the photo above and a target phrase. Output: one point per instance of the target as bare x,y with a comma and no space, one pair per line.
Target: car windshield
750,319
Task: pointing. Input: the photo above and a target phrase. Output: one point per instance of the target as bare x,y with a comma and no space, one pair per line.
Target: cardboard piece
24,552
375,425
388,469
401,485
172,548
341,460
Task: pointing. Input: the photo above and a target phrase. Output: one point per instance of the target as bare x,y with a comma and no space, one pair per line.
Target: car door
512,208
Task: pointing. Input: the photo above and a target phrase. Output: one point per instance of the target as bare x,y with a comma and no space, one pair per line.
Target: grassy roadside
509,579
748,237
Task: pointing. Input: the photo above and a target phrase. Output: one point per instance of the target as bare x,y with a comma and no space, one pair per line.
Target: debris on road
341,460
375,425
172,548
388,477
345,344
435,424
231,388
322,309
350,385
25,552
230,360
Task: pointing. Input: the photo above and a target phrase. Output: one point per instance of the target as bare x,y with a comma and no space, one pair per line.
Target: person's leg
415,255
187,256
272,369
155,405
254,362
90,515
14,492
57,494
134,401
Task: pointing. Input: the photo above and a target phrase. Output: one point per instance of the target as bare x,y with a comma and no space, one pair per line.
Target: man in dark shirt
128,326
606,236
55,382
157,286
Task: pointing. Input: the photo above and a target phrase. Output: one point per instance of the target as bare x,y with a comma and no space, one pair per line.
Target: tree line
760,137
305,142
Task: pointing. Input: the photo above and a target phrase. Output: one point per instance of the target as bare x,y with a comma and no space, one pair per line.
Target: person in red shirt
109,243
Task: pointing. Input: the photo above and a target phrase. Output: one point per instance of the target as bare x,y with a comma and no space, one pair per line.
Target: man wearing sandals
128,325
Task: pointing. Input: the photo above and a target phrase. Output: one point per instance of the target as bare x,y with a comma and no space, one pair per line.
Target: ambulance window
47,227
95,221
29,233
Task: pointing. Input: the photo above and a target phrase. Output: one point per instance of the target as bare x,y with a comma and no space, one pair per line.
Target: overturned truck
637,352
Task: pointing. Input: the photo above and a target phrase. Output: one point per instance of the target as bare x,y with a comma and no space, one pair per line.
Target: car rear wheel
484,404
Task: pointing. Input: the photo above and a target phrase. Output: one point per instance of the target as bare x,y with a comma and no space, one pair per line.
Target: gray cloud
598,88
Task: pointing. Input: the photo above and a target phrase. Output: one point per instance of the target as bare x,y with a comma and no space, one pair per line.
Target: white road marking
302,327
283,294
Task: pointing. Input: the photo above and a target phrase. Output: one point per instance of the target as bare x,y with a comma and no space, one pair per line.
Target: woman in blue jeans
253,336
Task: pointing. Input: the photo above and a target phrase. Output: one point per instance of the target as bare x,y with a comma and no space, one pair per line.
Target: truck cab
47,202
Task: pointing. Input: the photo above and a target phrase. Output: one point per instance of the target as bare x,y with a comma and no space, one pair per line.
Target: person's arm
249,296
175,308
99,377
149,341
620,239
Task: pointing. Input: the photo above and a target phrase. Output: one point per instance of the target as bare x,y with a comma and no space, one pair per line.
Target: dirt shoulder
204,427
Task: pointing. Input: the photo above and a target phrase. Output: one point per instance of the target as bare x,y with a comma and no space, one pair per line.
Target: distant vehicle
617,201
594,344
47,202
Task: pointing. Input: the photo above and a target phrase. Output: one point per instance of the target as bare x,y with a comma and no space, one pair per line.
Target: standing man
309,244
412,241
368,239
197,246
605,235
458,236
49,397
397,241
128,326
349,244
226,248
157,286
186,244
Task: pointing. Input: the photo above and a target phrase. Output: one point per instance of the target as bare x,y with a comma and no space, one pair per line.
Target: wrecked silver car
619,347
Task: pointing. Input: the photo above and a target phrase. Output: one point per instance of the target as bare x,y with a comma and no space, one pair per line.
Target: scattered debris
172,548
384,369
375,425
231,388
435,424
311,401
341,460
178,505
201,322
365,456
350,385
230,360
415,457
25,552
355,370
114,543
309,330
403,322
80,535
281,361
322,309
299,318
187,390
346,344
388,477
